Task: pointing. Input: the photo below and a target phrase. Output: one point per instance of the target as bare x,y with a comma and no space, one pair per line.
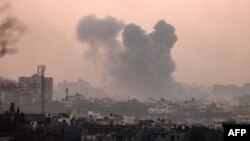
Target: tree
12,108
12,111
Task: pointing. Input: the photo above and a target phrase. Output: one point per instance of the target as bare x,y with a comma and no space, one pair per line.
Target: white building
129,120
158,110
217,123
243,119
94,115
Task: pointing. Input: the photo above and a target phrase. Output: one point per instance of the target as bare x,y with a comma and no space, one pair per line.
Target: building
34,121
129,120
158,110
162,135
70,101
244,100
243,119
169,136
28,90
9,92
32,87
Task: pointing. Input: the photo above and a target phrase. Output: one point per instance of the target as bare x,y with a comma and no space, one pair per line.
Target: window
163,136
172,138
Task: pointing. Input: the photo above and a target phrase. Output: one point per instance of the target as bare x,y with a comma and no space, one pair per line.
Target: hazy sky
212,47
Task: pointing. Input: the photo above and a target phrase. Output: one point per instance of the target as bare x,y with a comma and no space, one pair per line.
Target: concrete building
244,100
157,134
33,91
34,121
9,92
169,136
158,110
129,120
243,119
70,101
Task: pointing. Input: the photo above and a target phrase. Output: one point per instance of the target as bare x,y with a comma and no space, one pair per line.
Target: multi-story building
28,90
9,92
32,87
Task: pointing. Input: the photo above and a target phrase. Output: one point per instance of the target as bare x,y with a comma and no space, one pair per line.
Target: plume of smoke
10,31
143,65
94,30
146,64
101,35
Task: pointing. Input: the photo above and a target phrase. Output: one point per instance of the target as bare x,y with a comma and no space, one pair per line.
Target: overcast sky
212,47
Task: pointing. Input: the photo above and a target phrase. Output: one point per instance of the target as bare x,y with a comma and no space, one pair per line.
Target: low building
34,121
169,137
243,119
158,110
70,101
217,123
129,120
244,100
163,135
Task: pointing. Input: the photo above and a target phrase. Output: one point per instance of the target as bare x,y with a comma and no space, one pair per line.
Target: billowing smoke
99,33
10,31
142,64
95,30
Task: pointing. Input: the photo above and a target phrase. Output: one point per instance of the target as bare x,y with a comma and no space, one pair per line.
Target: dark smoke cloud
100,33
96,30
10,31
143,65
146,64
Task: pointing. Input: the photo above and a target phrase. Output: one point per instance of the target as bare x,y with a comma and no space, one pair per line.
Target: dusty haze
212,46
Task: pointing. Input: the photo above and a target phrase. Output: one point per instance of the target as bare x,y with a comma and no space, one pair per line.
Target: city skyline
110,70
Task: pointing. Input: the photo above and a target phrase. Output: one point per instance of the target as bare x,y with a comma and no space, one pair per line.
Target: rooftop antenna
67,91
40,71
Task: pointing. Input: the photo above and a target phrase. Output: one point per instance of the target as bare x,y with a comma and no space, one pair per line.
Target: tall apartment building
9,92
32,88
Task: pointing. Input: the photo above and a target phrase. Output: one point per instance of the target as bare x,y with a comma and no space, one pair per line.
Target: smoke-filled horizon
141,65
212,46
